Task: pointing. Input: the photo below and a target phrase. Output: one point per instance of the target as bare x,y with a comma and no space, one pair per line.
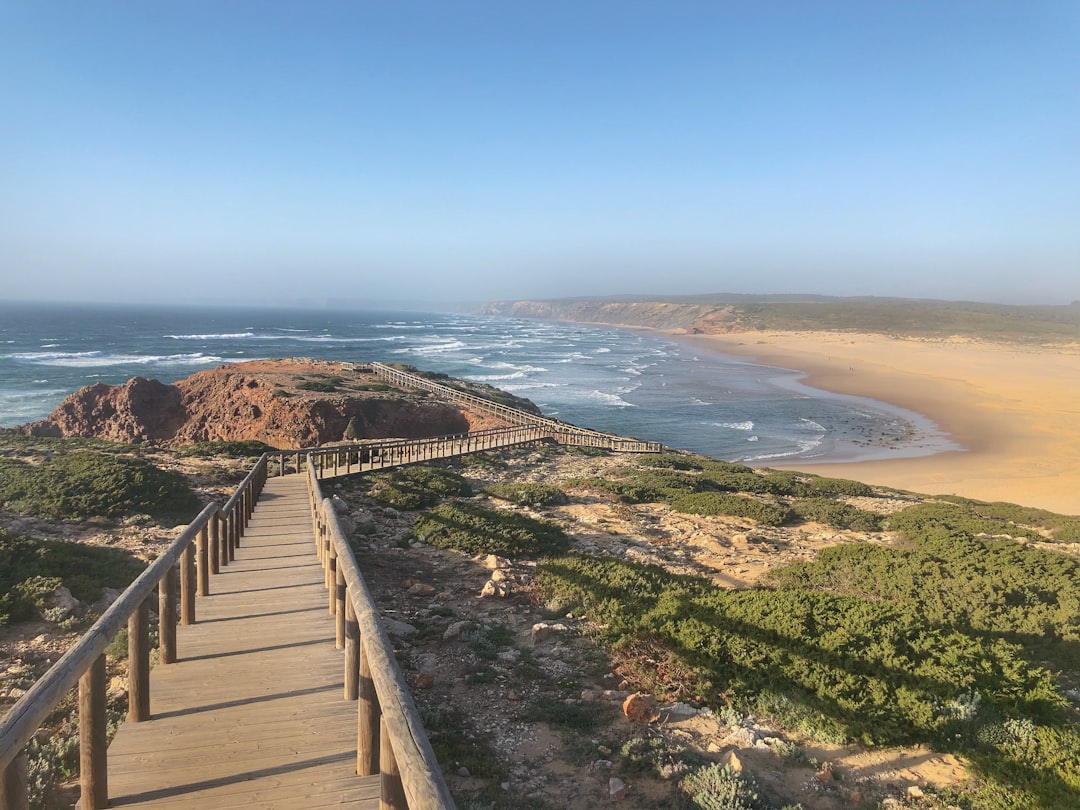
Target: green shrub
86,484
475,529
671,461
229,449
526,493
836,513
32,569
837,486
721,787
717,503
929,518
323,383
417,487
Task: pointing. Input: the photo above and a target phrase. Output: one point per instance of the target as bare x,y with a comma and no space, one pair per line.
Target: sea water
628,382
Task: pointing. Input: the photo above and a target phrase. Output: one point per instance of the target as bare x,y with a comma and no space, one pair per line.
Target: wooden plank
252,714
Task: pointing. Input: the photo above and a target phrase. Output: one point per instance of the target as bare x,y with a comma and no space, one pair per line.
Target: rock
732,761
455,630
825,774
493,588
420,589
499,575
590,695
600,765
681,710
463,771
493,562
641,708
108,596
615,694
424,680
889,803
339,505
512,695
397,628
617,788
540,631
61,598
914,792
744,737
363,523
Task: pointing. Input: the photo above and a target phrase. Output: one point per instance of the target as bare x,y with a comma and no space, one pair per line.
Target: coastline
1015,410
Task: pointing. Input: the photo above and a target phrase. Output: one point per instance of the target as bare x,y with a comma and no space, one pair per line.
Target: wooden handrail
83,663
390,734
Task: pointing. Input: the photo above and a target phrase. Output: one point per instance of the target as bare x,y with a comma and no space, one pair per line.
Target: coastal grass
31,570
475,529
226,449
85,484
417,487
526,493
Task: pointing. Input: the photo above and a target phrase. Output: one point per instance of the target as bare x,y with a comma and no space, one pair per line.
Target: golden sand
1015,409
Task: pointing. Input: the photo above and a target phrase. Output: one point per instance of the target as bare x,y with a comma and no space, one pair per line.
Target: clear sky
277,152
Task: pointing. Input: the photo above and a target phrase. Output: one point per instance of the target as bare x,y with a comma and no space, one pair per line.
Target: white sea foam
603,350
747,425
96,359
221,336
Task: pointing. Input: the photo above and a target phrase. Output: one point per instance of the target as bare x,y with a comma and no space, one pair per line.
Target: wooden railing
202,548
560,432
391,740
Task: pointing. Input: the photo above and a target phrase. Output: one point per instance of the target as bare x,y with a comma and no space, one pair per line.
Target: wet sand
1014,409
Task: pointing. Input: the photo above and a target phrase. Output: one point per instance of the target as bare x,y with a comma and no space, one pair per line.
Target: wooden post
204,561
215,545
187,585
167,618
391,791
93,770
340,592
234,533
352,650
14,785
368,716
139,664
331,578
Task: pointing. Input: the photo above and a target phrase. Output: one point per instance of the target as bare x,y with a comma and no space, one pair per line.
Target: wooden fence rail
206,544
391,740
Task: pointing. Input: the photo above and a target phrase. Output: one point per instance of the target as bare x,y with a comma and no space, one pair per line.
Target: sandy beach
1014,409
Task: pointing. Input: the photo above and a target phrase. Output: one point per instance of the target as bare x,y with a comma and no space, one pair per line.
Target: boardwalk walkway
252,715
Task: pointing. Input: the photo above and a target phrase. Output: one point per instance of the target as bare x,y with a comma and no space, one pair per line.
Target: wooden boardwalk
252,714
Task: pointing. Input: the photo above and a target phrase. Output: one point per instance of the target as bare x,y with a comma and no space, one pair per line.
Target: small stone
420,589
681,710
463,771
493,588
825,774
61,598
540,631
512,695
455,630
914,792
617,788
732,761
425,680
615,694
600,765
397,628
889,803
641,708
498,575
504,785
493,561
590,695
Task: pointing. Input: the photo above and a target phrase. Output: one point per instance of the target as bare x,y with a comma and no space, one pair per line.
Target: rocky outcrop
262,400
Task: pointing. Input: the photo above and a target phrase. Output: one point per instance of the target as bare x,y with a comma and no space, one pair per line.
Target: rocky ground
541,707
525,709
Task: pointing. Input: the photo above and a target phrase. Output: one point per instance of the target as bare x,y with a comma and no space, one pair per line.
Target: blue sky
445,151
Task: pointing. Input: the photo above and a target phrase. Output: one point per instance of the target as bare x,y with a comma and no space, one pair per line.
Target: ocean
628,382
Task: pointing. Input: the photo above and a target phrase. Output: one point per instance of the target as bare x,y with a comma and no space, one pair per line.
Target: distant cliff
716,314
284,403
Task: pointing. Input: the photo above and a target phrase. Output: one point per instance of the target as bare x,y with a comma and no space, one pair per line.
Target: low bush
526,493
934,518
721,787
417,487
32,569
718,503
838,514
475,529
85,484
228,449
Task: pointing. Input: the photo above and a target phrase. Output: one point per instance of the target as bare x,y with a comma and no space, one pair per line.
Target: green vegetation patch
31,570
475,529
323,383
937,518
526,494
85,484
1063,528
835,513
227,449
417,487
719,503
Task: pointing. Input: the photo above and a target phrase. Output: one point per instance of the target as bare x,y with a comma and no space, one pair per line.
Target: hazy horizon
285,154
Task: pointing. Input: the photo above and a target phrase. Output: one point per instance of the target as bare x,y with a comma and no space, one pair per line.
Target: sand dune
1015,409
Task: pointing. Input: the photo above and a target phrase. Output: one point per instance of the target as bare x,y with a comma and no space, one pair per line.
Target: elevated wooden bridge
267,636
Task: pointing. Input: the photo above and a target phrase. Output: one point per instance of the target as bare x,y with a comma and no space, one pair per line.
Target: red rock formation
259,400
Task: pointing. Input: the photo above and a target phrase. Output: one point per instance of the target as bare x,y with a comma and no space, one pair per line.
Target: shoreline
1015,410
